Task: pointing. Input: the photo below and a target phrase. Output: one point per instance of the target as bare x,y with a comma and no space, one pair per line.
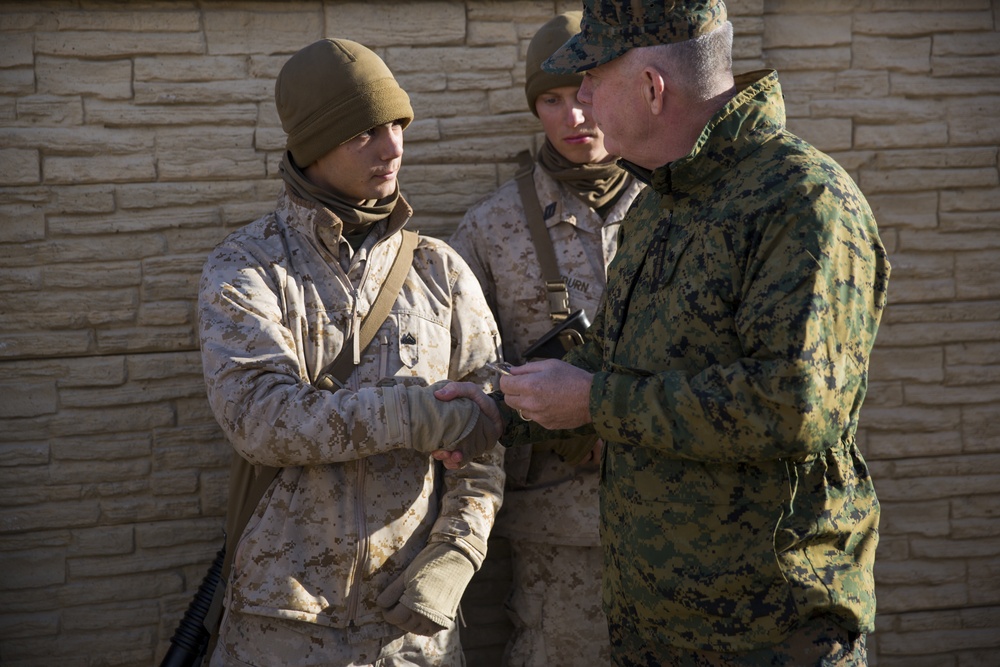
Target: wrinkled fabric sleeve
471,496
809,309
257,383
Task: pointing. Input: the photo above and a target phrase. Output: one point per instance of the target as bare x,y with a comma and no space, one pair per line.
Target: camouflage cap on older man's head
612,27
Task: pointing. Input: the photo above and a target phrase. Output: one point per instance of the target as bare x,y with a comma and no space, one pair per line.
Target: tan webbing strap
336,374
554,284
244,494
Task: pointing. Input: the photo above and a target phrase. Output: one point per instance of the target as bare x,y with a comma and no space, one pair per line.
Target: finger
451,460
454,390
399,616
390,596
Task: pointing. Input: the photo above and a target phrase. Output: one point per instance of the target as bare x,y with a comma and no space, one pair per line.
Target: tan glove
457,425
424,599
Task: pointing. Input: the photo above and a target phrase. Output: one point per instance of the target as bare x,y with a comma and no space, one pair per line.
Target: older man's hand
551,392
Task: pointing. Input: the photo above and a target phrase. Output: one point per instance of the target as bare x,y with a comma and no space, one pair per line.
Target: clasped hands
551,392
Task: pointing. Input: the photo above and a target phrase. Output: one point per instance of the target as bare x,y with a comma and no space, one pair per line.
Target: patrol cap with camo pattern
611,27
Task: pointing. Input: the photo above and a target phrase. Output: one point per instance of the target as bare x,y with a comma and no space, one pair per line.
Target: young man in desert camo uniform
360,550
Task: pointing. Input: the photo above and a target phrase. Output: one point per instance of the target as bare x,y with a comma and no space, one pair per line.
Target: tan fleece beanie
547,40
330,92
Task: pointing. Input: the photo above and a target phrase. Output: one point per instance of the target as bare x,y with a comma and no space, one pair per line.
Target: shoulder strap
248,483
339,370
554,284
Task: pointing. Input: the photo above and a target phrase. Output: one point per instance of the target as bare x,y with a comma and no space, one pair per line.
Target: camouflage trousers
259,641
555,605
817,643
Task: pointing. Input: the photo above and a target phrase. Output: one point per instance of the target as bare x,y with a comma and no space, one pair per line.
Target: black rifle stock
190,640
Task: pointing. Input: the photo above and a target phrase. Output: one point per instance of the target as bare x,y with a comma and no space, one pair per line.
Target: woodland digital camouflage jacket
731,361
351,508
547,500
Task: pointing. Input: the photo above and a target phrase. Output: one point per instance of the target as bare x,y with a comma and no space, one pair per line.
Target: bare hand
551,392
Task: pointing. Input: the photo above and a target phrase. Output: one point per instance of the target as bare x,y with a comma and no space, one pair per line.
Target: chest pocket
423,344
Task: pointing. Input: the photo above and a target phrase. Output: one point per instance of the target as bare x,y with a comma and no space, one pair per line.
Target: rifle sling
555,286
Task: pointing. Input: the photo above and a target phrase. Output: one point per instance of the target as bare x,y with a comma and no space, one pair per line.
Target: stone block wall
135,135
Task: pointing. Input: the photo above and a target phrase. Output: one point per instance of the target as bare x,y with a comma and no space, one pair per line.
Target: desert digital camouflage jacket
547,500
731,362
350,508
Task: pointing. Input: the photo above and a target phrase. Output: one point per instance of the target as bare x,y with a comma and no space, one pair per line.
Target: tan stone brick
21,224
974,130
930,518
901,135
519,10
811,31
190,68
977,274
49,110
479,80
922,365
16,50
134,221
916,210
965,44
266,28
65,76
941,242
382,24
41,344
787,59
104,447
507,101
85,140
939,158
24,399
19,81
84,276
914,22
200,164
99,44
98,169
486,33
827,134
147,19
984,66
200,92
890,445
465,150
889,111
450,59
146,339
19,166
746,48
908,180
116,114
972,353
49,516
32,569
920,290
908,419
141,508
922,86
165,313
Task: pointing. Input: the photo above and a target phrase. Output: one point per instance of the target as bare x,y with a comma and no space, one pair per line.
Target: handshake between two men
551,392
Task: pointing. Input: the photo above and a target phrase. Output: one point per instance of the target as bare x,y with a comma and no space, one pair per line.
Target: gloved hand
456,425
424,599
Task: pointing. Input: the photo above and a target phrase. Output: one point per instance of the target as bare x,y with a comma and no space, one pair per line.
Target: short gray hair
702,65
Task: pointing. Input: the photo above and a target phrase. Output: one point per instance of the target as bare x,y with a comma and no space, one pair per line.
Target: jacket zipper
361,557
361,554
